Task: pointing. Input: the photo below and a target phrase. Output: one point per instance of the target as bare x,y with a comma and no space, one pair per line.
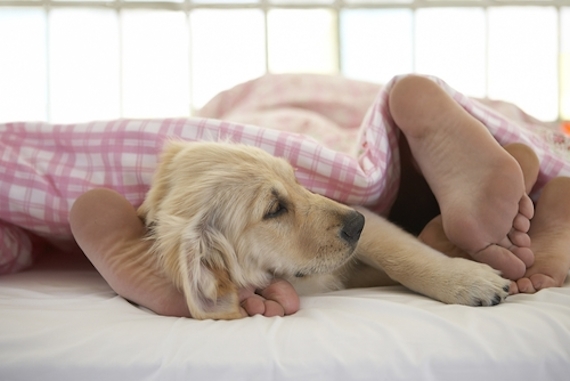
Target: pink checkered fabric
337,133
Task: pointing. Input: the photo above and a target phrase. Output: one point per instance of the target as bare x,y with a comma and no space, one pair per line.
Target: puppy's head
228,216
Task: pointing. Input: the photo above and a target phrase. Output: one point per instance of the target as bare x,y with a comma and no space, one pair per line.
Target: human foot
277,299
434,236
528,161
550,234
479,187
530,166
496,256
107,228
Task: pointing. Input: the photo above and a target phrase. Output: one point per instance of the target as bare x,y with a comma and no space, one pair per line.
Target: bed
59,320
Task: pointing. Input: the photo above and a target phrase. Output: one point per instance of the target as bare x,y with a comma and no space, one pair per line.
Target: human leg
108,230
478,186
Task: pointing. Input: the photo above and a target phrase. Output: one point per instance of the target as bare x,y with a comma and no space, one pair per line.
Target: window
78,60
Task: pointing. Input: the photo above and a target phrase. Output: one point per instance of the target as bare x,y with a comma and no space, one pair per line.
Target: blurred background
75,61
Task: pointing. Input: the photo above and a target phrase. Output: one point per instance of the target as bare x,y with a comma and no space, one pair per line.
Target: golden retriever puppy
224,216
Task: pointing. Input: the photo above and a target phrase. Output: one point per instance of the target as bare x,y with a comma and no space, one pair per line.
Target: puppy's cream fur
224,216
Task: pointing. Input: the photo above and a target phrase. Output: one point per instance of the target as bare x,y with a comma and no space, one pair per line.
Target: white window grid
336,6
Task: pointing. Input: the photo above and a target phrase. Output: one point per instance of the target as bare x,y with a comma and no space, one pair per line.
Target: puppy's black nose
353,225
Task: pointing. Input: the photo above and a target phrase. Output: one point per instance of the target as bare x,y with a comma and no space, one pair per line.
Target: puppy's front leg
419,267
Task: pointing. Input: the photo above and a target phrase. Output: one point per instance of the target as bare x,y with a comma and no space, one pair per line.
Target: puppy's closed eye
277,206
276,209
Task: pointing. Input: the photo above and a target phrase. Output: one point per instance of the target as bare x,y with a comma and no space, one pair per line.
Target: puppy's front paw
475,284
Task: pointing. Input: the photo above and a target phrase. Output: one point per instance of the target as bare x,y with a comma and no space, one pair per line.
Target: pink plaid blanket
337,133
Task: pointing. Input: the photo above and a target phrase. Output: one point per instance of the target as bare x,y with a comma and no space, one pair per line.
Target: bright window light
221,1
369,50
82,60
403,2
301,2
23,66
83,65
565,64
155,64
228,47
523,61
450,44
302,40
146,1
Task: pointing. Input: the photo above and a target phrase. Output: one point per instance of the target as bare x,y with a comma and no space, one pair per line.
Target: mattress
61,321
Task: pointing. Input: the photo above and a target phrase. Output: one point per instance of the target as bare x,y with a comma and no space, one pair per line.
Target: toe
525,286
253,305
273,309
521,223
499,258
525,254
540,281
520,239
283,293
526,207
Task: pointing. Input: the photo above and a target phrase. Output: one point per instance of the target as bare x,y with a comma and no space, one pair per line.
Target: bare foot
528,161
550,234
111,235
530,166
277,299
479,187
434,236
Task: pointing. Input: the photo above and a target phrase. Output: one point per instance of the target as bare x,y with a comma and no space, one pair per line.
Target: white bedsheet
60,321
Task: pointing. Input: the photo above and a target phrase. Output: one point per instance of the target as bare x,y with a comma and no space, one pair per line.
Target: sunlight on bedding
81,64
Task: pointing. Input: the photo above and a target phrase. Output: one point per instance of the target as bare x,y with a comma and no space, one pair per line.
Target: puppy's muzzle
352,227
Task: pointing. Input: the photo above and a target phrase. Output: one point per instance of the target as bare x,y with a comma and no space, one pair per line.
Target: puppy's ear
197,258
161,182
